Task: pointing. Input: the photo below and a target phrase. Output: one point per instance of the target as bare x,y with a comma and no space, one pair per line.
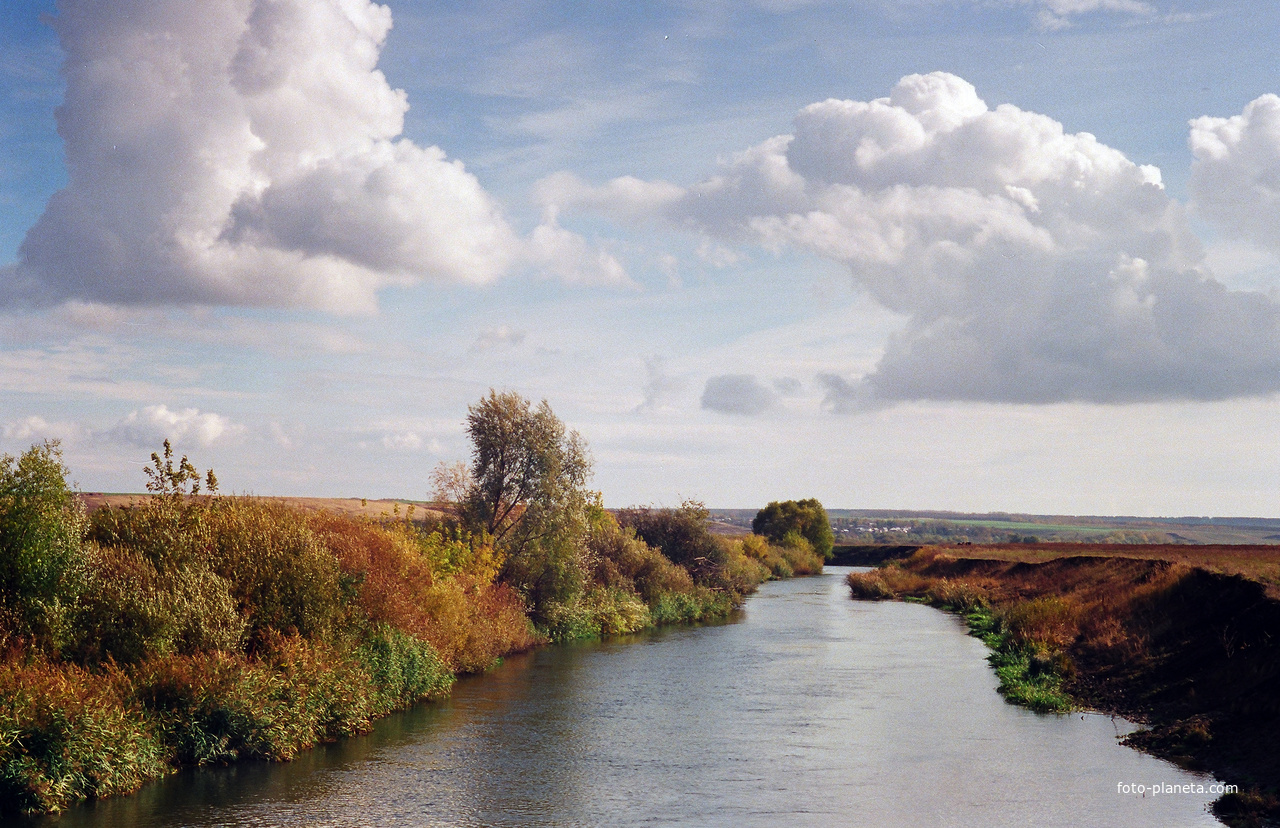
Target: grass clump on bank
1027,640
1031,673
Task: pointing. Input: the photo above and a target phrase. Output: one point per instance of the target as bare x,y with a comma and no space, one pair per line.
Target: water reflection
810,710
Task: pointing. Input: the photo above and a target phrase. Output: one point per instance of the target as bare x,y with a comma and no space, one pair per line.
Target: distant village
853,530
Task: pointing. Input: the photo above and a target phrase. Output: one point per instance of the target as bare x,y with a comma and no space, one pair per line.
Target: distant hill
896,526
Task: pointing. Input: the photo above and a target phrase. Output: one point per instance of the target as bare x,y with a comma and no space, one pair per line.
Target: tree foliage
528,494
167,480
682,535
41,529
805,518
528,472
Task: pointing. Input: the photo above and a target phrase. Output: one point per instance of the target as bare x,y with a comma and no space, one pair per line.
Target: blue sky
943,254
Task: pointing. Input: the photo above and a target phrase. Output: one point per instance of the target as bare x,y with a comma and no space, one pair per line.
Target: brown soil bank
1193,653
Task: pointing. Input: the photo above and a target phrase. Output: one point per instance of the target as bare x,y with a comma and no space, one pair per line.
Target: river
807,709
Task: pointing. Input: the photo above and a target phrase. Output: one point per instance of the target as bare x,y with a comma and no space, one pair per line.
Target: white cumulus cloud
1235,178
151,426
35,428
1031,264
249,152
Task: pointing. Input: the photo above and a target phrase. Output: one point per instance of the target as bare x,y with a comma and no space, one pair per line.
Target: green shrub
569,622
132,612
689,607
170,533
676,608
617,612
622,561
217,708
682,535
281,574
802,558
551,580
739,575
41,564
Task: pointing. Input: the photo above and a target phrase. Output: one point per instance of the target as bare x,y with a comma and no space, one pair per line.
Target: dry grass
1255,562
351,506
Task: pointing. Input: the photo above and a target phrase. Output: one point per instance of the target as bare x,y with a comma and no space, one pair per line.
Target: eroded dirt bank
1193,654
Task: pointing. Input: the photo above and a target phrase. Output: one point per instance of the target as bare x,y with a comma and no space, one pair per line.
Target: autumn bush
795,555
190,628
869,586
889,581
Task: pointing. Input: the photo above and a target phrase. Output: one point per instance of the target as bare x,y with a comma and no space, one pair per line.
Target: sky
976,255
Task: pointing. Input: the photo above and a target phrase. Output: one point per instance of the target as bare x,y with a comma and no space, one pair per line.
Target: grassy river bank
194,629
1189,647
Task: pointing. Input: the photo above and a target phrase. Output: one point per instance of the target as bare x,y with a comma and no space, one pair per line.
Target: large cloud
1033,265
249,152
154,424
1235,179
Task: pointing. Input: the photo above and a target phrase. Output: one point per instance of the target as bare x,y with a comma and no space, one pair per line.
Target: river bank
806,710
184,629
1191,653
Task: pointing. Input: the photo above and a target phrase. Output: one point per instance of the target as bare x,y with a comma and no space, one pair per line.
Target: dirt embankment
1192,653
870,554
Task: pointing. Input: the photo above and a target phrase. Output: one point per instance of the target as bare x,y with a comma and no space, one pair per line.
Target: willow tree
528,493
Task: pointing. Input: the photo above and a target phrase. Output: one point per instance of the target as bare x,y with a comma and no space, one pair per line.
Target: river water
808,709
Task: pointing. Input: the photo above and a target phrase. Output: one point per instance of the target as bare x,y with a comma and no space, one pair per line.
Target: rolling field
385,507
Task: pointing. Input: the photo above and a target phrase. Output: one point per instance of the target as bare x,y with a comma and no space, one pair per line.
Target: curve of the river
809,709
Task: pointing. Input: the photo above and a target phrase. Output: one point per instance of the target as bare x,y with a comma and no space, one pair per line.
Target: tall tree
527,469
805,518
528,493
